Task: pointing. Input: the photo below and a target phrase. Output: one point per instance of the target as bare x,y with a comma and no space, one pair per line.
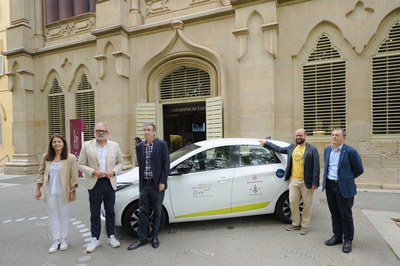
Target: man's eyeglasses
101,131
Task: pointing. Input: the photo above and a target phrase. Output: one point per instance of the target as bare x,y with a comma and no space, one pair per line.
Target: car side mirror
183,168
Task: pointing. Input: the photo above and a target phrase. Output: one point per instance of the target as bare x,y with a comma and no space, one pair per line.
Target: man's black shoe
346,247
333,241
155,243
136,244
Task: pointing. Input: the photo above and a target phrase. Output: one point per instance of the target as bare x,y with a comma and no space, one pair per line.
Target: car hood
130,176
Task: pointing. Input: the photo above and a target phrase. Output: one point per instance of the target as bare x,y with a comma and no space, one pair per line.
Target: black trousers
102,192
341,213
149,199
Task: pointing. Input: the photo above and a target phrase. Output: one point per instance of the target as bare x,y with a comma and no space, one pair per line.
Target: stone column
256,50
20,43
24,159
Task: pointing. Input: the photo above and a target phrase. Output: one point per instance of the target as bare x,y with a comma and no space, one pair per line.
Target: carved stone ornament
68,28
156,7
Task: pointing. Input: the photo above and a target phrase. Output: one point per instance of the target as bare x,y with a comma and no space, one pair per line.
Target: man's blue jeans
150,199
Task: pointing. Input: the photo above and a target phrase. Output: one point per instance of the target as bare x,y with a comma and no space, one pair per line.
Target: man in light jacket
100,161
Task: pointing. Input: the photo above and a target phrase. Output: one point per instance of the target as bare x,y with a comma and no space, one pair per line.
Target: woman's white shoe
53,248
63,244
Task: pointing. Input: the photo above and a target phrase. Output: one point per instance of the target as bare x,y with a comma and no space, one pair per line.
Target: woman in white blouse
56,184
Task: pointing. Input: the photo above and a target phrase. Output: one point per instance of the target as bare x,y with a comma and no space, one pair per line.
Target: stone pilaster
21,44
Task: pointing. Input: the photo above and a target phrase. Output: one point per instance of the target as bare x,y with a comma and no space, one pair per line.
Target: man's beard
300,141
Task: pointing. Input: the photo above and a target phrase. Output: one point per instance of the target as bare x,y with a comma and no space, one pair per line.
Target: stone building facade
205,69
6,147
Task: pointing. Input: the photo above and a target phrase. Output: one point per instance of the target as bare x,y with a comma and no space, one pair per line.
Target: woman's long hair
51,153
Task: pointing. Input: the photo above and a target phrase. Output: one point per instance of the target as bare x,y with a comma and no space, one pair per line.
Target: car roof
132,174
233,141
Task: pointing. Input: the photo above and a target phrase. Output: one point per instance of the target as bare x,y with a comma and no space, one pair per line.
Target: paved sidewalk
385,223
370,203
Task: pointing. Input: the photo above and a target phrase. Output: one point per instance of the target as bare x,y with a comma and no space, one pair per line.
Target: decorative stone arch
269,27
77,75
168,66
108,48
179,51
304,48
49,79
12,76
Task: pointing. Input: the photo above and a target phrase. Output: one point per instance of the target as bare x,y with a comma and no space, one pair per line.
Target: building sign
184,109
76,127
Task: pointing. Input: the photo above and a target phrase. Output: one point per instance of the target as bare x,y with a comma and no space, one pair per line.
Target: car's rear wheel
131,219
282,209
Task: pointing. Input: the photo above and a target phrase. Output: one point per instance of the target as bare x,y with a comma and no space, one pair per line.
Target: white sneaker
113,241
63,244
53,248
94,243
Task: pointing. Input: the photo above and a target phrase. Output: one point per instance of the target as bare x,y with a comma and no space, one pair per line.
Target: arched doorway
184,123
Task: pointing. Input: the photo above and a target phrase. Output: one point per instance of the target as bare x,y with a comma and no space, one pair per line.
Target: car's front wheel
131,219
282,209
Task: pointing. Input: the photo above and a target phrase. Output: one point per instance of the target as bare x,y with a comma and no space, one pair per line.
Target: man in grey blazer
100,161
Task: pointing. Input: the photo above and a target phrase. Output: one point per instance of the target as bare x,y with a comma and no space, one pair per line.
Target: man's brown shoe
303,231
293,227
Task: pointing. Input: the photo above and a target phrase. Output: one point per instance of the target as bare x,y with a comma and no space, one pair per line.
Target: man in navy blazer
342,165
153,160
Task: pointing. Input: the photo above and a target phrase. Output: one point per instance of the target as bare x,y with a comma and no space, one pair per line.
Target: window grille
386,85
56,110
85,107
324,89
185,82
214,120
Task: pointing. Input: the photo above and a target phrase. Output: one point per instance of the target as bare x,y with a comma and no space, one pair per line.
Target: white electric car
213,179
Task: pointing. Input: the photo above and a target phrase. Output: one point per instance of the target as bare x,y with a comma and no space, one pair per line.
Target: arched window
186,82
324,89
84,106
386,85
56,109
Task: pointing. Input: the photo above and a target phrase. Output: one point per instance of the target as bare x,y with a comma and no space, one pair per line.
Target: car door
206,190
256,181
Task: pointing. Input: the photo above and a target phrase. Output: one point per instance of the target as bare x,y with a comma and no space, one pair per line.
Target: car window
215,158
182,152
251,155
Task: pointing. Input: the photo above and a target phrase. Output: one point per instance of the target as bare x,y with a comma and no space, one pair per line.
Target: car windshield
181,152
